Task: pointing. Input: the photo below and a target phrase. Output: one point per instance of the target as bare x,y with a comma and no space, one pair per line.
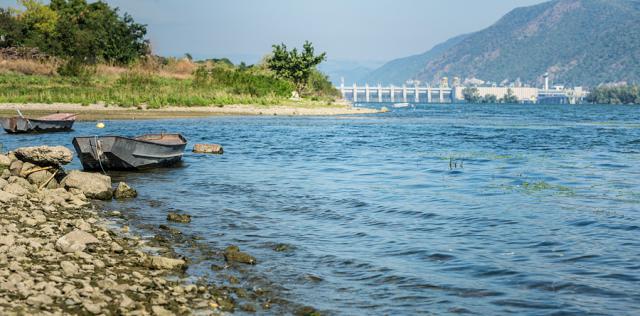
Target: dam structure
407,94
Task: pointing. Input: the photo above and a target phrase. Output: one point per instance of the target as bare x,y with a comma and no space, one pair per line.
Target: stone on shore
45,155
233,254
160,311
124,191
180,218
164,263
93,185
6,197
74,241
3,183
16,167
15,189
208,149
69,268
5,162
40,177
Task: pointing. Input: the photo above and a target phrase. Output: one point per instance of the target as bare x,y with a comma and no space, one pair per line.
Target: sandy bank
100,112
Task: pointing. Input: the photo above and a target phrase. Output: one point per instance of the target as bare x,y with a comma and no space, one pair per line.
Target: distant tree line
74,30
628,94
472,95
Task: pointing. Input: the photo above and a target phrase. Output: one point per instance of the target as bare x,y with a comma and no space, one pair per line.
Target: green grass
134,89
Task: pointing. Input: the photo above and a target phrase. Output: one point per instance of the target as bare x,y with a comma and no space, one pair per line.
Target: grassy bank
154,84
127,90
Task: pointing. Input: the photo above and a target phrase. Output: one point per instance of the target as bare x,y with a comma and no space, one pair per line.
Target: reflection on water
365,215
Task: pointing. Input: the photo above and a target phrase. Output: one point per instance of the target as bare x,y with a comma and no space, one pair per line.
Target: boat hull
17,125
122,153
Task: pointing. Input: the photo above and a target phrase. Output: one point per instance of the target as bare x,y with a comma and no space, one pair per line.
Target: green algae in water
542,186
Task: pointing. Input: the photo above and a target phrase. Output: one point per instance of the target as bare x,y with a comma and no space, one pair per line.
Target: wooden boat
60,122
124,153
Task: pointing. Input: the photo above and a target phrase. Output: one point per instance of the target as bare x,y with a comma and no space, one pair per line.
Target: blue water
479,209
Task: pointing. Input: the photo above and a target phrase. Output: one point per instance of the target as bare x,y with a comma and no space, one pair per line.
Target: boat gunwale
184,140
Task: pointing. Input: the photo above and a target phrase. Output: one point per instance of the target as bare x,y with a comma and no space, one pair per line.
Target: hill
578,42
400,70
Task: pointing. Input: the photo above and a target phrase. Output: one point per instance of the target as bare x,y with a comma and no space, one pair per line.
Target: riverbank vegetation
88,53
627,94
472,95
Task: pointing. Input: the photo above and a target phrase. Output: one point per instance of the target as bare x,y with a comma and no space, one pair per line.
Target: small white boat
401,105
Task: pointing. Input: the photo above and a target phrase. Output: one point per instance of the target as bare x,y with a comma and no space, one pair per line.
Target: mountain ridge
578,42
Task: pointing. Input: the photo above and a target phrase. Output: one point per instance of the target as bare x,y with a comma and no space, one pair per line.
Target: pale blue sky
361,30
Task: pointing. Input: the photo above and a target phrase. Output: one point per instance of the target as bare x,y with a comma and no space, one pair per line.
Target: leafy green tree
320,86
295,66
510,98
96,32
628,94
79,32
11,30
38,17
490,99
471,95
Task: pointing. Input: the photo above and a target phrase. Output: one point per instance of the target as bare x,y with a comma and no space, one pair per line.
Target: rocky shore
59,255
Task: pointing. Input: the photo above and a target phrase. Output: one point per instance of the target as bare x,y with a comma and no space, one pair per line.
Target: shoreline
97,112
63,252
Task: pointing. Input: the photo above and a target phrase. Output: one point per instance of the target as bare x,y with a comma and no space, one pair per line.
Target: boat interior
165,139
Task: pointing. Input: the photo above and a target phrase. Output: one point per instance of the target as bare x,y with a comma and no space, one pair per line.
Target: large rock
16,167
3,183
233,254
15,189
45,155
23,183
6,197
5,162
93,185
208,149
164,263
40,177
180,218
124,191
76,240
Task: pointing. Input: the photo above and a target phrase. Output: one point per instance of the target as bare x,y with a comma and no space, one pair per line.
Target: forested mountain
578,42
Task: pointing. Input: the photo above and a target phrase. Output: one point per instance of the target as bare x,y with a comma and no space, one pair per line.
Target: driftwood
44,184
36,170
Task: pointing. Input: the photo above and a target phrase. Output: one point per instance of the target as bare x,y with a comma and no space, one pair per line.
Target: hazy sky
366,30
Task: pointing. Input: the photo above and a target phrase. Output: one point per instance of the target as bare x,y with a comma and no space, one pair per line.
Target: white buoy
100,125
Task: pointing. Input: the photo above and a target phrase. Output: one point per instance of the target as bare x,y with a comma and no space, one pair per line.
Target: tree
293,66
11,30
510,98
38,17
490,99
628,94
471,95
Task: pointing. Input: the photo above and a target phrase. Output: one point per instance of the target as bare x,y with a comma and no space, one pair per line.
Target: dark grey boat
123,153
59,122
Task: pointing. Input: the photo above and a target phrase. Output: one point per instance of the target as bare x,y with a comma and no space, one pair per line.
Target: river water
479,209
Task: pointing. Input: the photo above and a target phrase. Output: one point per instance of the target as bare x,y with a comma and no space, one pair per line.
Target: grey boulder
45,155
93,185
74,241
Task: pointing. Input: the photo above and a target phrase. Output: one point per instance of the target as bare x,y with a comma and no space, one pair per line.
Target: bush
242,82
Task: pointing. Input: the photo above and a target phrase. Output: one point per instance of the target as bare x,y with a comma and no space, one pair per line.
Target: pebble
57,257
69,268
